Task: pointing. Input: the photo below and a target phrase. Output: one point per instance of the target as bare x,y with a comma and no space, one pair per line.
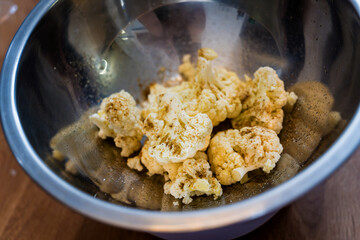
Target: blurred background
8,9
331,211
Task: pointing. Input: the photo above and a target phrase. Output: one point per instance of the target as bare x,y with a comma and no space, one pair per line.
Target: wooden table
331,211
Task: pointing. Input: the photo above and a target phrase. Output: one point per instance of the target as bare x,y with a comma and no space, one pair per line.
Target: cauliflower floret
197,100
135,163
291,100
234,152
218,91
128,145
153,166
263,105
333,119
70,167
174,135
210,90
171,170
151,105
192,178
184,180
119,118
186,69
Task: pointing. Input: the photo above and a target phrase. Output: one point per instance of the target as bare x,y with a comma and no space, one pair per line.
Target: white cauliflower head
220,89
119,118
233,153
213,91
144,159
174,135
263,105
291,100
186,69
192,178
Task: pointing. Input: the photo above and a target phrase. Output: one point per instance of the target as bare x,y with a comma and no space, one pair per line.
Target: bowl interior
82,51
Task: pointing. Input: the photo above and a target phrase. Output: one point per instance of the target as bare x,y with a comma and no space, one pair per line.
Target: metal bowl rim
146,220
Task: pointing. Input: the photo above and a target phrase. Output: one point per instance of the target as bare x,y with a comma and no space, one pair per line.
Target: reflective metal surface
70,54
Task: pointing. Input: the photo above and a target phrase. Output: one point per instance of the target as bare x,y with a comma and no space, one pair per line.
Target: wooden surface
331,211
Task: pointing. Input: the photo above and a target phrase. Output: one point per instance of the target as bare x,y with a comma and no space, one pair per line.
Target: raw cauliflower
169,170
234,152
186,69
119,118
210,90
144,159
263,105
178,121
174,135
192,178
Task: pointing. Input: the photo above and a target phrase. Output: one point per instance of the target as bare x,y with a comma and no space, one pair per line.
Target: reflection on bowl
70,54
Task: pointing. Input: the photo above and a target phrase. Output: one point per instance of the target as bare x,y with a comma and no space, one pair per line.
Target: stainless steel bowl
69,54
